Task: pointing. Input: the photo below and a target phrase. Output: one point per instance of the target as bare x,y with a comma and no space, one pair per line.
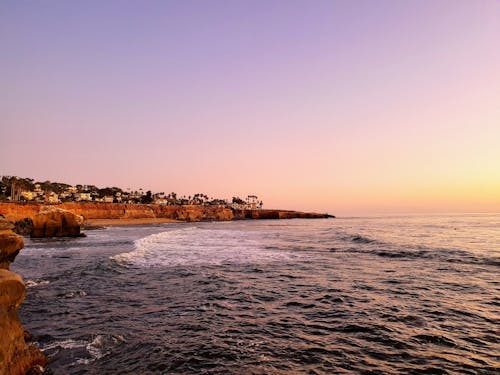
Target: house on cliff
108,199
51,197
83,197
161,201
251,203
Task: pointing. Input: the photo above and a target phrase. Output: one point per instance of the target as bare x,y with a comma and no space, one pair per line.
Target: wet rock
16,356
10,245
24,227
12,290
5,224
56,222
277,214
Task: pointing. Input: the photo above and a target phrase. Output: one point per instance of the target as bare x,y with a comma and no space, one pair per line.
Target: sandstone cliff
10,244
17,211
91,210
193,213
56,222
16,356
277,214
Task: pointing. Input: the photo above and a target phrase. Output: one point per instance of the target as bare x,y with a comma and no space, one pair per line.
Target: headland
105,214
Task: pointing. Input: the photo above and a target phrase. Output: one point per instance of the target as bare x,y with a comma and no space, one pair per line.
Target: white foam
65,344
198,246
99,347
77,293
33,283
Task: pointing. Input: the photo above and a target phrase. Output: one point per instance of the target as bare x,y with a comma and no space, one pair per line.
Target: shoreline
95,214
97,223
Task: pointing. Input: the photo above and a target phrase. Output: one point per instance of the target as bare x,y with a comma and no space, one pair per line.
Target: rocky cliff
193,213
16,355
18,211
108,210
55,222
277,214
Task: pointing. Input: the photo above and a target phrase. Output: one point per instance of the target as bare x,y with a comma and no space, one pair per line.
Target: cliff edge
91,211
16,355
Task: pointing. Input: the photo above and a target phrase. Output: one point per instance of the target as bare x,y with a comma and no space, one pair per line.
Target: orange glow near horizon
338,107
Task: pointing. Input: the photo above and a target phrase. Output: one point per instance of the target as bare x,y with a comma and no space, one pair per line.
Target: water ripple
359,296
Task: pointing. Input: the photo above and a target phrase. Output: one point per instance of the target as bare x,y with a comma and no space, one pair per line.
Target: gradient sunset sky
347,107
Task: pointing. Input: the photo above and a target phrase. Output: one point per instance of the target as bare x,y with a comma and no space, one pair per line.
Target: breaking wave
444,255
408,295
195,246
357,238
84,351
35,283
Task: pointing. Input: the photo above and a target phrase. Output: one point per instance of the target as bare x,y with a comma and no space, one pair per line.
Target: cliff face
10,246
16,356
56,222
193,213
277,214
18,211
108,210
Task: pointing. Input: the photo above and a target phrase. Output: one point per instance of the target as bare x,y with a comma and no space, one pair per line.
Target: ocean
355,295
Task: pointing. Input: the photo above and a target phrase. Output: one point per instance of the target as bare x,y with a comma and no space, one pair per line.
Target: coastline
128,214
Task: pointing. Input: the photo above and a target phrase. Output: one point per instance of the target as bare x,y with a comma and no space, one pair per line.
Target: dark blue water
386,295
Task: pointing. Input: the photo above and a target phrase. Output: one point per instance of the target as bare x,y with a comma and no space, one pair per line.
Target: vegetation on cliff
18,189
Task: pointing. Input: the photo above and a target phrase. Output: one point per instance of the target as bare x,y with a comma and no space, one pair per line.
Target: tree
238,200
148,198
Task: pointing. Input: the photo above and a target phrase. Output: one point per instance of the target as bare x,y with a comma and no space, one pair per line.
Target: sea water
375,295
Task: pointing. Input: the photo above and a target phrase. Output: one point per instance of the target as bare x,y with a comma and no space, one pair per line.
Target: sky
348,107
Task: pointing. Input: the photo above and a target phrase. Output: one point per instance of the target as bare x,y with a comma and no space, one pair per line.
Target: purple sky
349,107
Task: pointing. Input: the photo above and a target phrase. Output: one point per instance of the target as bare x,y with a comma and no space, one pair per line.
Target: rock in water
10,244
56,222
16,356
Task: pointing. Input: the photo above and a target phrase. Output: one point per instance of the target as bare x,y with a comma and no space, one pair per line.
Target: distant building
252,202
163,201
108,199
51,197
65,195
83,197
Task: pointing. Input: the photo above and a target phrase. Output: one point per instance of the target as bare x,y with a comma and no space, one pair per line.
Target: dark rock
23,227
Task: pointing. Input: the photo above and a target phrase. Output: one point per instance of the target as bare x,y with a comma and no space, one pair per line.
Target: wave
445,255
73,294
357,238
194,246
100,347
35,283
85,351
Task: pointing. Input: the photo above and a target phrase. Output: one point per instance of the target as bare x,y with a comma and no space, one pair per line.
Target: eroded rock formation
16,356
10,246
277,214
89,210
56,222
